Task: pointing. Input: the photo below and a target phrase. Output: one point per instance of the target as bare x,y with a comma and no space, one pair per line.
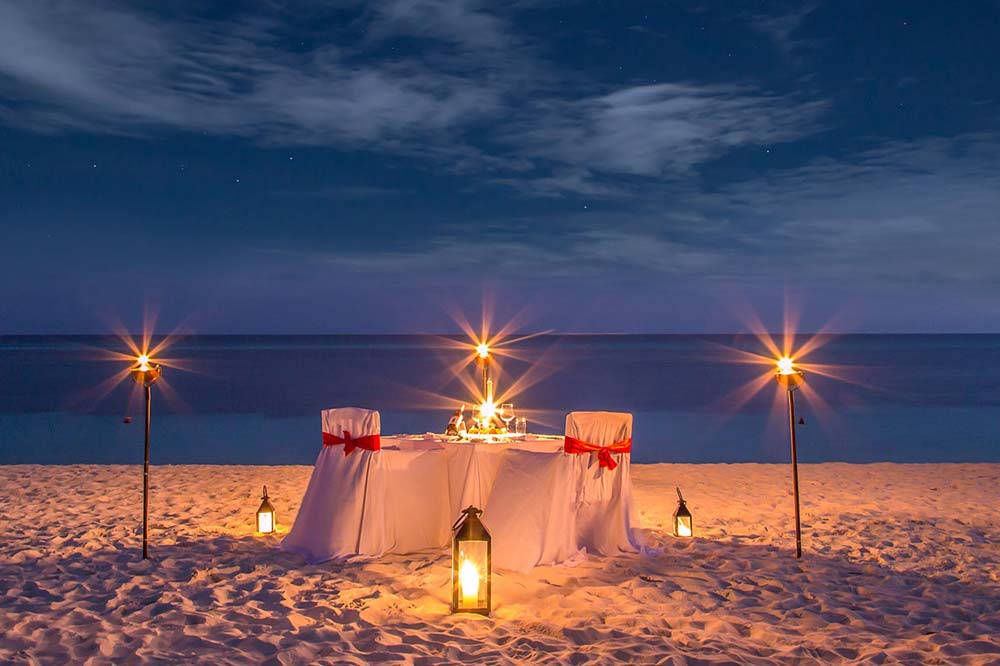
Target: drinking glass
521,427
507,414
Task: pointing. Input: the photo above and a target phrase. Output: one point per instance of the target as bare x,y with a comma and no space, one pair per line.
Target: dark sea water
256,399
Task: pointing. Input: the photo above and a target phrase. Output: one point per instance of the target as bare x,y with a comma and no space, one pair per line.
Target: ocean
257,399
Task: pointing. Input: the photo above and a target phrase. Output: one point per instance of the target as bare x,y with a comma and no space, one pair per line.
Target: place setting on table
539,499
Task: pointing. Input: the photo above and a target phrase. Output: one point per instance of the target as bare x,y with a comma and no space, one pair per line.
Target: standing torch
789,378
483,352
145,374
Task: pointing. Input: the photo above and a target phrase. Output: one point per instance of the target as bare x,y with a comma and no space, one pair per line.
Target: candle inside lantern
468,577
684,527
265,522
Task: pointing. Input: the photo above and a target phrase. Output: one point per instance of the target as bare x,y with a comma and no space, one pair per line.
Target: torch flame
483,350
143,362
786,366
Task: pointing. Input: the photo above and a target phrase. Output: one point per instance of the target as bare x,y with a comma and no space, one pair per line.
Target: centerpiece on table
489,421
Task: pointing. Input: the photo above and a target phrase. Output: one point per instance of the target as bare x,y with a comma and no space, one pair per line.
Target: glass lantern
683,525
265,515
471,569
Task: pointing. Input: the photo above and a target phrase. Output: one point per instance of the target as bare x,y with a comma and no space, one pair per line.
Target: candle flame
487,409
468,578
265,522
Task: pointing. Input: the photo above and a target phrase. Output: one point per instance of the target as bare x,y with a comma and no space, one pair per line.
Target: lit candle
265,522
683,528
468,577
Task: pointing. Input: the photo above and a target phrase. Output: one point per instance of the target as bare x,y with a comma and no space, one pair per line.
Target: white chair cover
370,502
603,496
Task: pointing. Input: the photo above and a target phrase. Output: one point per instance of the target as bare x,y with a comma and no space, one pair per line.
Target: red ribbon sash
574,445
368,442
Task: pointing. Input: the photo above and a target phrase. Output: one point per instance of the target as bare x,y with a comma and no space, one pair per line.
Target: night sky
335,167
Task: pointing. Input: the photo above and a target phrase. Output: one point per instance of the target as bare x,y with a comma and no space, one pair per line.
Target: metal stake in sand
789,378
145,375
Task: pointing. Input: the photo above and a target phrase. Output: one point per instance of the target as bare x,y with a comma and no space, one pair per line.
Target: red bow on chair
574,445
368,442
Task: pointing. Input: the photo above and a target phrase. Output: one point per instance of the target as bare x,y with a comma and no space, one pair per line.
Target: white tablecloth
473,466
406,496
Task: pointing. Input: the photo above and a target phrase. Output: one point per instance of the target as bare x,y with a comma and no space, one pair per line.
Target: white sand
901,566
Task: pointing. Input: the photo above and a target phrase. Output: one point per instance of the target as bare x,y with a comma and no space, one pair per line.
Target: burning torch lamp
145,375
789,378
683,525
471,568
265,515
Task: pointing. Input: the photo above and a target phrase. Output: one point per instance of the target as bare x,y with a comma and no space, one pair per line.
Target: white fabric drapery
542,506
603,501
370,503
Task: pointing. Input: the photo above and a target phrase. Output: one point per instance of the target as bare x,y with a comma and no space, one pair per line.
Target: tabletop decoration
471,569
491,411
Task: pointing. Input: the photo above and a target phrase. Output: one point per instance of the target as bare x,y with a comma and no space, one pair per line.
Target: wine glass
507,414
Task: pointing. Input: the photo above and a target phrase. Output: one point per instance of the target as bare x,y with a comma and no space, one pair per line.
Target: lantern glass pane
265,521
683,526
471,571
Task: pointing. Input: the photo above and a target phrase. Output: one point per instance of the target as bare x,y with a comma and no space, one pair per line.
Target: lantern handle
470,511
264,496
679,496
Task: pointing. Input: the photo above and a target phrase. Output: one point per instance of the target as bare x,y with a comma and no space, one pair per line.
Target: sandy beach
901,566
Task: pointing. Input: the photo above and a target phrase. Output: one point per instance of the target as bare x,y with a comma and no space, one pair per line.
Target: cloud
898,214
782,27
106,68
470,94
654,130
902,212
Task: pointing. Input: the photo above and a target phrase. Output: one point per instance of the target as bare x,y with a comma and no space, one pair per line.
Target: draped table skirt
415,487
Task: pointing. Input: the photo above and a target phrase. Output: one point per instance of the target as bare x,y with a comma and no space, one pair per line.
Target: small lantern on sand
683,525
265,515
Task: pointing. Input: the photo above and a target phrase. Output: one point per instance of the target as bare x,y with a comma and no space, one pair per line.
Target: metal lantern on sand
265,515
683,523
471,569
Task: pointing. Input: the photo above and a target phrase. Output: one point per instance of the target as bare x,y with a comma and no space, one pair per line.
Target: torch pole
486,377
795,473
145,483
